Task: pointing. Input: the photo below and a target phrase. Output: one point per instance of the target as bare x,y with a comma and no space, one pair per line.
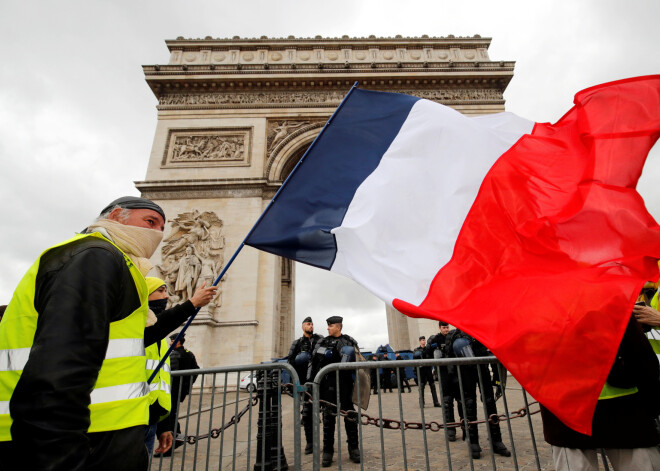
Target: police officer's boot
475,448
501,449
354,454
326,459
329,422
352,437
307,425
498,447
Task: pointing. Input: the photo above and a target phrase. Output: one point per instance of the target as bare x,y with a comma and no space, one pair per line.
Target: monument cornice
329,42
202,188
300,63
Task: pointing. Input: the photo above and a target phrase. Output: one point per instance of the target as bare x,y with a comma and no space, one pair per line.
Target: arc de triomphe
234,117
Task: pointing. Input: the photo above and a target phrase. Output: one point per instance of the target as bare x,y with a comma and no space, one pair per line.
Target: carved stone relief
195,148
193,254
283,97
263,99
280,132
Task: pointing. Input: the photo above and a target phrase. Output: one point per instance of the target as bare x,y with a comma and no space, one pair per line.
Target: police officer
335,348
426,375
446,375
403,380
458,344
299,356
373,372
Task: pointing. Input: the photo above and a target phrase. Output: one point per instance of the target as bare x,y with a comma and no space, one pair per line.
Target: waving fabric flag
530,237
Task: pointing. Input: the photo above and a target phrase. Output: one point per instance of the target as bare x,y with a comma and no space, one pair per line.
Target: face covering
139,243
158,305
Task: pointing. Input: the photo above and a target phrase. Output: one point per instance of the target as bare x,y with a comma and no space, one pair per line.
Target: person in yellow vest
160,323
73,391
624,420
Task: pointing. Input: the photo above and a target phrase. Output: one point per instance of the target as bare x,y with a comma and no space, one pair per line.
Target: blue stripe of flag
317,194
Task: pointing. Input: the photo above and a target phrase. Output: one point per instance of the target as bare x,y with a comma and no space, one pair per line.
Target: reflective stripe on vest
152,364
160,389
161,386
15,359
654,339
120,398
610,392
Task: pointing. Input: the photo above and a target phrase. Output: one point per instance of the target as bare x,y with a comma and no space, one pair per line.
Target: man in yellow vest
73,391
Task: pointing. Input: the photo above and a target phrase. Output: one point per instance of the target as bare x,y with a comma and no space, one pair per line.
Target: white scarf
139,243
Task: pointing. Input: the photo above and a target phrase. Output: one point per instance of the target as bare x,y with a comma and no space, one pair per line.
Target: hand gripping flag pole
240,247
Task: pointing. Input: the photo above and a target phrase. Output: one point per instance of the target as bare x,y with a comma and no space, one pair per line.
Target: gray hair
124,214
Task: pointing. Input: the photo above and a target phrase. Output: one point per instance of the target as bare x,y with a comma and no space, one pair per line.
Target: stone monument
234,117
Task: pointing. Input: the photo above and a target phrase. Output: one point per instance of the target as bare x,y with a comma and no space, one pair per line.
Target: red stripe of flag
556,248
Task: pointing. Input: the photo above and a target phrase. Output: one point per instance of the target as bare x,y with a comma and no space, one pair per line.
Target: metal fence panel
223,428
417,437
227,428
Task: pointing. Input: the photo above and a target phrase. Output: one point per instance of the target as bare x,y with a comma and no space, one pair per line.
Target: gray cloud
77,119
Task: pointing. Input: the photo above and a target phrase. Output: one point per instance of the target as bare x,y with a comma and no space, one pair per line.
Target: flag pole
242,244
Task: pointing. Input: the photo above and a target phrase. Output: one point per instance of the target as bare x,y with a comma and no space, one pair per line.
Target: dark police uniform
446,378
299,357
402,380
327,351
470,379
426,375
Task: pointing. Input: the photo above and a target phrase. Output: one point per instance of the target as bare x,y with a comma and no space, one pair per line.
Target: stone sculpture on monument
193,253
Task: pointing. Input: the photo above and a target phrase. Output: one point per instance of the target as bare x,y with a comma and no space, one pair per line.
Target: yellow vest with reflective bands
120,398
161,385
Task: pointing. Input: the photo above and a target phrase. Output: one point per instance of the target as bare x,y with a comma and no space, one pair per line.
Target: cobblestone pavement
382,450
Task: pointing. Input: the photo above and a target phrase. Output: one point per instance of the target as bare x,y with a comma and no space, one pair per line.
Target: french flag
529,236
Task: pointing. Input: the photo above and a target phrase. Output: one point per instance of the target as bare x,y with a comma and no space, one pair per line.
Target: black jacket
81,288
302,344
182,359
334,343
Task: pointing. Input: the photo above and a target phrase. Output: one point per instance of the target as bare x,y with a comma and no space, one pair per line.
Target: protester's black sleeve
641,360
80,289
168,321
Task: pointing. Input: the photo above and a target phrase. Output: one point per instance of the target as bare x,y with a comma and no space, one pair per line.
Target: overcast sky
77,119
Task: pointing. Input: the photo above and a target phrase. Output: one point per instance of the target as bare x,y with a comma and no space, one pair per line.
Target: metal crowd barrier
408,444
210,417
230,428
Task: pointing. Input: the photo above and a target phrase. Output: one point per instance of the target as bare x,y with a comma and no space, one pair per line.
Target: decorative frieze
252,99
318,98
220,147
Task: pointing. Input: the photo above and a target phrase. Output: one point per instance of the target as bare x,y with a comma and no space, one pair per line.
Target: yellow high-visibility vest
120,398
161,385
